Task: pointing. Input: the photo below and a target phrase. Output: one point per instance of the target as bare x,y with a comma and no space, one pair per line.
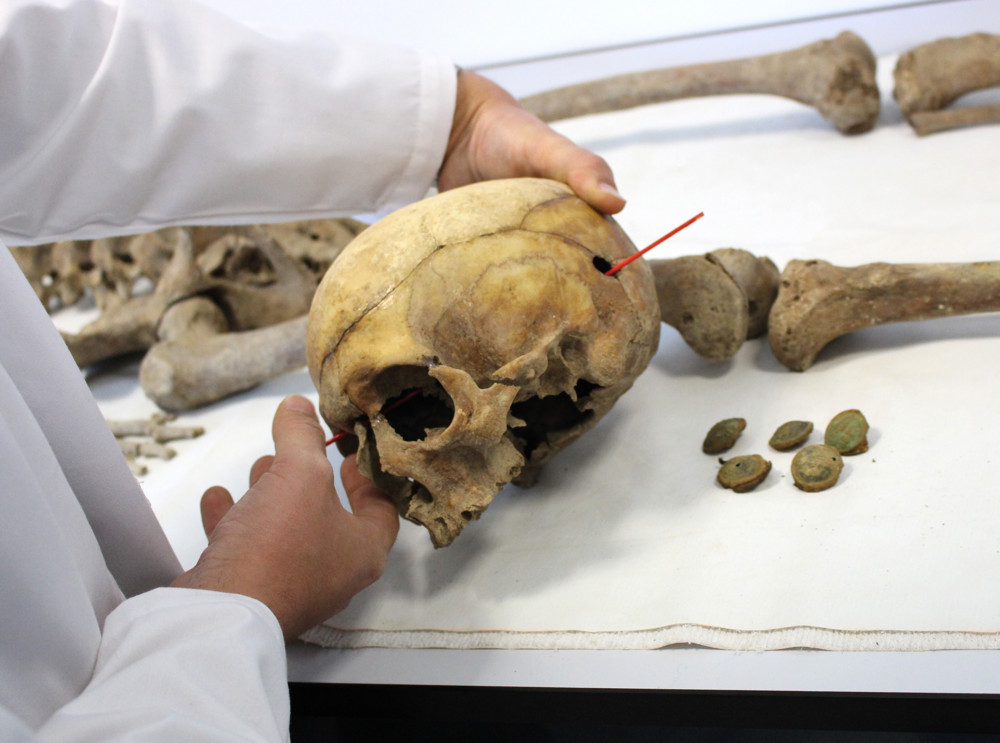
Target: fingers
595,184
493,137
215,503
368,503
589,175
296,428
262,465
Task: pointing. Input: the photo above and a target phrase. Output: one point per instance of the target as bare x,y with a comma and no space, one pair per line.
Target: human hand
493,137
289,542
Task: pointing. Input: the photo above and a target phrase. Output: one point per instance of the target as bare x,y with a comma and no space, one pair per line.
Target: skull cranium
469,337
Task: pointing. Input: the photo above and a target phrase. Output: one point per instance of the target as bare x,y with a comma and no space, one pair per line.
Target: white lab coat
119,118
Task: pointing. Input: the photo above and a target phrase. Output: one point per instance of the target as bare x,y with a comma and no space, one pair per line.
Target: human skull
490,305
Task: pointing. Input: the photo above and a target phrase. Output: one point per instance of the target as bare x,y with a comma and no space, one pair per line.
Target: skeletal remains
216,310
835,76
716,301
149,437
214,321
934,75
228,306
491,301
818,302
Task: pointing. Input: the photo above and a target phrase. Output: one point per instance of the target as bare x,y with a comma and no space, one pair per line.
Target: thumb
296,428
589,175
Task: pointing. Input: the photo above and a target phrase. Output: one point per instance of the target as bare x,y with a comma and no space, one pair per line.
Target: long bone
932,76
836,76
716,301
198,362
818,302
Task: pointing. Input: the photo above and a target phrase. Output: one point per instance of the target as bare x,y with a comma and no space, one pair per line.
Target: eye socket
545,415
412,415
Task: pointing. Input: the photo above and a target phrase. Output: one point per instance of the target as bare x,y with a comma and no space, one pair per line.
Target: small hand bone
932,76
836,76
159,427
197,362
818,302
716,301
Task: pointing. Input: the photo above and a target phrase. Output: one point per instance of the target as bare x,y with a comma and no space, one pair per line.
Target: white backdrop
530,45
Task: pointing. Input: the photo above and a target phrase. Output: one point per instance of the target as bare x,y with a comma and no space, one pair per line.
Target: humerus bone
836,76
716,301
818,302
932,76
198,362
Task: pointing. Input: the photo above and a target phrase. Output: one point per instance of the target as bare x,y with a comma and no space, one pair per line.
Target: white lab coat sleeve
186,665
123,117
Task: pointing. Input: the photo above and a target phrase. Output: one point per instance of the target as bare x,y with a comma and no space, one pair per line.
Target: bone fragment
131,326
158,428
716,301
932,76
836,76
133,449
757,276
153,433
930,122
197,362
818,302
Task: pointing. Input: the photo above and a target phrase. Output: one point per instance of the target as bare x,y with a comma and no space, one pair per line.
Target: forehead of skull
370,268
482,303
536,315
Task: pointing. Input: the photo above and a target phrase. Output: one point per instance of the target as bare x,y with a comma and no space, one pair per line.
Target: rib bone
818,301
836,76
932,76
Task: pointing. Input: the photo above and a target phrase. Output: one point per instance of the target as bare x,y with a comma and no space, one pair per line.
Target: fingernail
299,404
609,188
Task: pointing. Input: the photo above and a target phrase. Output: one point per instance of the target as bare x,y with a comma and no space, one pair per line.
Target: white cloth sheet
627,541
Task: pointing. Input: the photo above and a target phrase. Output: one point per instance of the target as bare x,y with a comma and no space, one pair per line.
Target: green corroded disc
847,432
743,473
790,434
723,435
816,468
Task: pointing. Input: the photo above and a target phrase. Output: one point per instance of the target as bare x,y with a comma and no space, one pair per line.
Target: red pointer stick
615,269
611,271
405,398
